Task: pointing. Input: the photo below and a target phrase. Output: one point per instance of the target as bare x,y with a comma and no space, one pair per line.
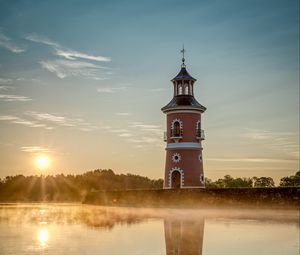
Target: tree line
254,182
70,188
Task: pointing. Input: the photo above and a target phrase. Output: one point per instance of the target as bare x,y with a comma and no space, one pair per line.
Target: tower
184,136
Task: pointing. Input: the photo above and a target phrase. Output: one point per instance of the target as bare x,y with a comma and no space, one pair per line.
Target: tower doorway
176,179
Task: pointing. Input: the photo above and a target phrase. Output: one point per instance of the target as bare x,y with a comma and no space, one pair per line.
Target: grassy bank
285,197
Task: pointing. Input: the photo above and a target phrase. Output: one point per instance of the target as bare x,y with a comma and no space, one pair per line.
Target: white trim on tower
181,176
184,145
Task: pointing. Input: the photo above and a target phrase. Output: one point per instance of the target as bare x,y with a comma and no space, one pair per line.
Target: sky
83,82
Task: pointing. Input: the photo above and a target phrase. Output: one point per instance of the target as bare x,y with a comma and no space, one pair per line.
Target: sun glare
43,236
42,161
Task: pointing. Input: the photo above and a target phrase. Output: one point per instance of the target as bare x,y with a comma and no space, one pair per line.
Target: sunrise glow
42,162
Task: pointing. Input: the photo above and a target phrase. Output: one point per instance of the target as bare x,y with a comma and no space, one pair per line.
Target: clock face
176,157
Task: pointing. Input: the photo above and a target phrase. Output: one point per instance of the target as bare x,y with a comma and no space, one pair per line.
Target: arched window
180,90
176,129
186,89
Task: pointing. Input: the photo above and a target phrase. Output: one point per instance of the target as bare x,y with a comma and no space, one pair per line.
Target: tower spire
183,59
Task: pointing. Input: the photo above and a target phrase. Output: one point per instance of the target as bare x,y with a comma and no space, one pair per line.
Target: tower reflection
184,237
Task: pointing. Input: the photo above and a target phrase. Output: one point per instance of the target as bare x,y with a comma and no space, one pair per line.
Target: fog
54,228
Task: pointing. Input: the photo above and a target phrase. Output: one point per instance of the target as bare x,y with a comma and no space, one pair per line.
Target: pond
84,229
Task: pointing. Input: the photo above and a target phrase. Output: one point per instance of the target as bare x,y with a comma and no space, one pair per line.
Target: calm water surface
82,229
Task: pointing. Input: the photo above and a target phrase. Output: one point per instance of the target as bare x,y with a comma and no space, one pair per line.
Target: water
83,229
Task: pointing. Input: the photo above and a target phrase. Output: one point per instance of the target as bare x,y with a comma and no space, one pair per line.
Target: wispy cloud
41,39
21,121
5,81
7,43
5,88
35,149
73,55
146,134
157,90
123,113
283,141
14,98
65,68
146,126
63,51
251,160
121,130
77,123
48,121
111,89
125,135
71,62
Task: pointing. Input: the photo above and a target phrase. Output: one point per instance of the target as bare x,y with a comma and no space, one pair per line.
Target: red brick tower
184,162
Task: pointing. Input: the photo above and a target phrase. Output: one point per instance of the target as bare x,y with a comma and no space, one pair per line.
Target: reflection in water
43,236
82,229
184,237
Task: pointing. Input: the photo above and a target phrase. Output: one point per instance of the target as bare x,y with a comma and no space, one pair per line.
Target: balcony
200,134
165,136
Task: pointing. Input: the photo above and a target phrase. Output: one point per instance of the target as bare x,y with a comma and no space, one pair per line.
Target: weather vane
183,59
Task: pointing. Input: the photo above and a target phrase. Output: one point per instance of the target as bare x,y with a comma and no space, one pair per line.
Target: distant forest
71,188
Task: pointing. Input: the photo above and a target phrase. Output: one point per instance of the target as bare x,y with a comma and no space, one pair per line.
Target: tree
263,182
293,180
229,182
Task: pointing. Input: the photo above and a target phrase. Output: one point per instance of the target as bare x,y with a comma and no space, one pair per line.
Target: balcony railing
200,134
165,136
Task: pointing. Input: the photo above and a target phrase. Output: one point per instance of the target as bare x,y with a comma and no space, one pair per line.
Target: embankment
287,197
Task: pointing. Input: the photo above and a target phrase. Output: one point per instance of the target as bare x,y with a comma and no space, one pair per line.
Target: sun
42,161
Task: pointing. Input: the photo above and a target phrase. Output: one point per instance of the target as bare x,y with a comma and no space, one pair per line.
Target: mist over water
85,229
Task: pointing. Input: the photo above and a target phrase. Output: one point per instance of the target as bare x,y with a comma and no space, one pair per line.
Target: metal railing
165,136
200,134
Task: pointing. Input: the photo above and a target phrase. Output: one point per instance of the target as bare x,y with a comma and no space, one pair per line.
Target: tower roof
183,74
183,92
183,101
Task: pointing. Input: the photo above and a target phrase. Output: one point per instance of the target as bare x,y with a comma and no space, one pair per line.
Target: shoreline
283,197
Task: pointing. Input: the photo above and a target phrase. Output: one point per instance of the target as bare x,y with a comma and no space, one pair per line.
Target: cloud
122,113
14,98
73,55
118,130
63,51
158,90
65,68
21,121
282,141
73,63
41,39
148,134
5,81
110,89
5,88
49,117
250,160
125,135
77,123
7,43
34,149
258,134
146,126
48,121
135,140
